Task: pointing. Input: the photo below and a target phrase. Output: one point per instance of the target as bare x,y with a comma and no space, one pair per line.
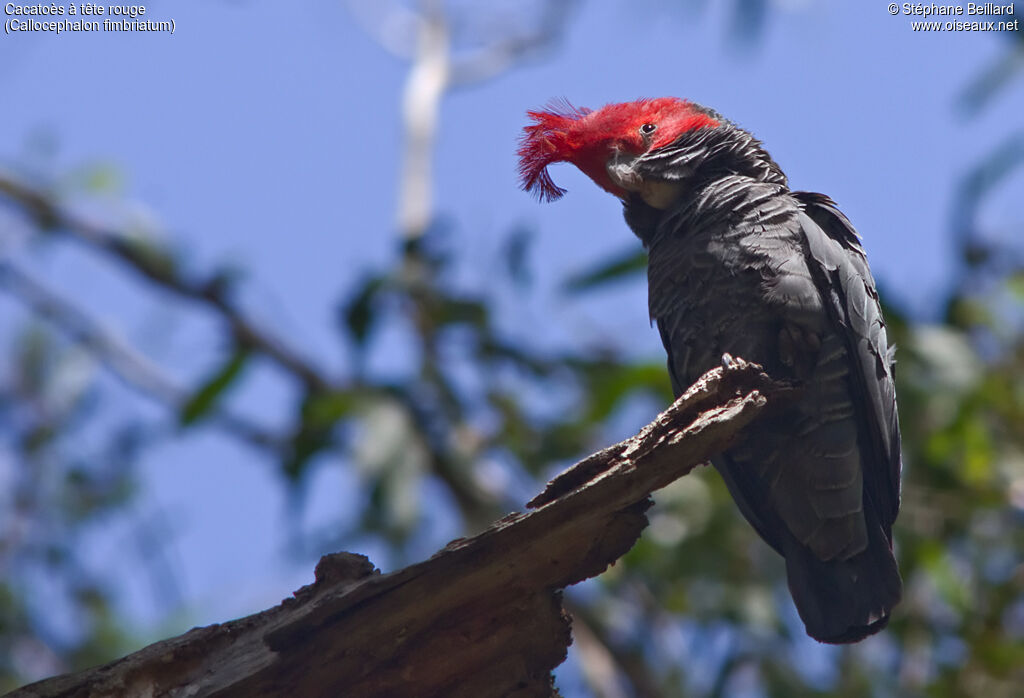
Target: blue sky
269,138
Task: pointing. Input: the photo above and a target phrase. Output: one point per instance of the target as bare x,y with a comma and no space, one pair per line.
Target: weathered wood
482,617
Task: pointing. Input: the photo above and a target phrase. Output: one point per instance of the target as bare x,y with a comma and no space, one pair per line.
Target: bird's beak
657,193
620,170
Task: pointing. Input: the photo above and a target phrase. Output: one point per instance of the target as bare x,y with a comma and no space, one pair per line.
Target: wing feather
841,272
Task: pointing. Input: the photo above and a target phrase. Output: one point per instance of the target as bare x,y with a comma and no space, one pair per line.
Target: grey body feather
739,264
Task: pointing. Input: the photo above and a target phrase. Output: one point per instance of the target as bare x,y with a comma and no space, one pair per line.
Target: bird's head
606,143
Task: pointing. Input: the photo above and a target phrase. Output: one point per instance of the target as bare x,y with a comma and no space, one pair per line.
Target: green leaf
212,390
516,255
610,383
101,178
324,409
457,311
358,314
616,268
318,414
1015,283
305,444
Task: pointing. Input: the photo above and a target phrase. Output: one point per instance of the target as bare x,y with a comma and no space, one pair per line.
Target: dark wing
794,270
840,270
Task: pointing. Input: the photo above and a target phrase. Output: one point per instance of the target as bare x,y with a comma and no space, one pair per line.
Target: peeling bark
482,617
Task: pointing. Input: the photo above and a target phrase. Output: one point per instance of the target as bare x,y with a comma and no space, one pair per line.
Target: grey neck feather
702,161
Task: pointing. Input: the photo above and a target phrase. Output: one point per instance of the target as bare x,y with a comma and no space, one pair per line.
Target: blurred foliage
1006,68
58,481
699,607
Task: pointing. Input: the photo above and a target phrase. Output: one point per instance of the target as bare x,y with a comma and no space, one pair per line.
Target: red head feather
564,133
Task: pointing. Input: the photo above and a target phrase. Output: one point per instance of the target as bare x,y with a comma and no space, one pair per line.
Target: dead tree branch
482,617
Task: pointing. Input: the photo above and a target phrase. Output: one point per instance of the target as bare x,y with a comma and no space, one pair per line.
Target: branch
423,37
421,106
482,617
125,362
614,663
502,54
47,215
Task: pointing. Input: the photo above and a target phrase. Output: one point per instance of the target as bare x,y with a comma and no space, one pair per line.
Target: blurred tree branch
981,90
124,361
213,293
436,68
159,268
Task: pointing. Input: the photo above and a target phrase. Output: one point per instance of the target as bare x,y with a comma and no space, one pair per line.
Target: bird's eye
648,129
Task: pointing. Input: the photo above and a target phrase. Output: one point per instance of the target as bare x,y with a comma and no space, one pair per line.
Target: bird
740,265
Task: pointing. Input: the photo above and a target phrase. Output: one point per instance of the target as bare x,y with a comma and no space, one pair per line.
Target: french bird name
59,18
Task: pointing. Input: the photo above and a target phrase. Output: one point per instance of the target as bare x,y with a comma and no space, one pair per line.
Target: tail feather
843,601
